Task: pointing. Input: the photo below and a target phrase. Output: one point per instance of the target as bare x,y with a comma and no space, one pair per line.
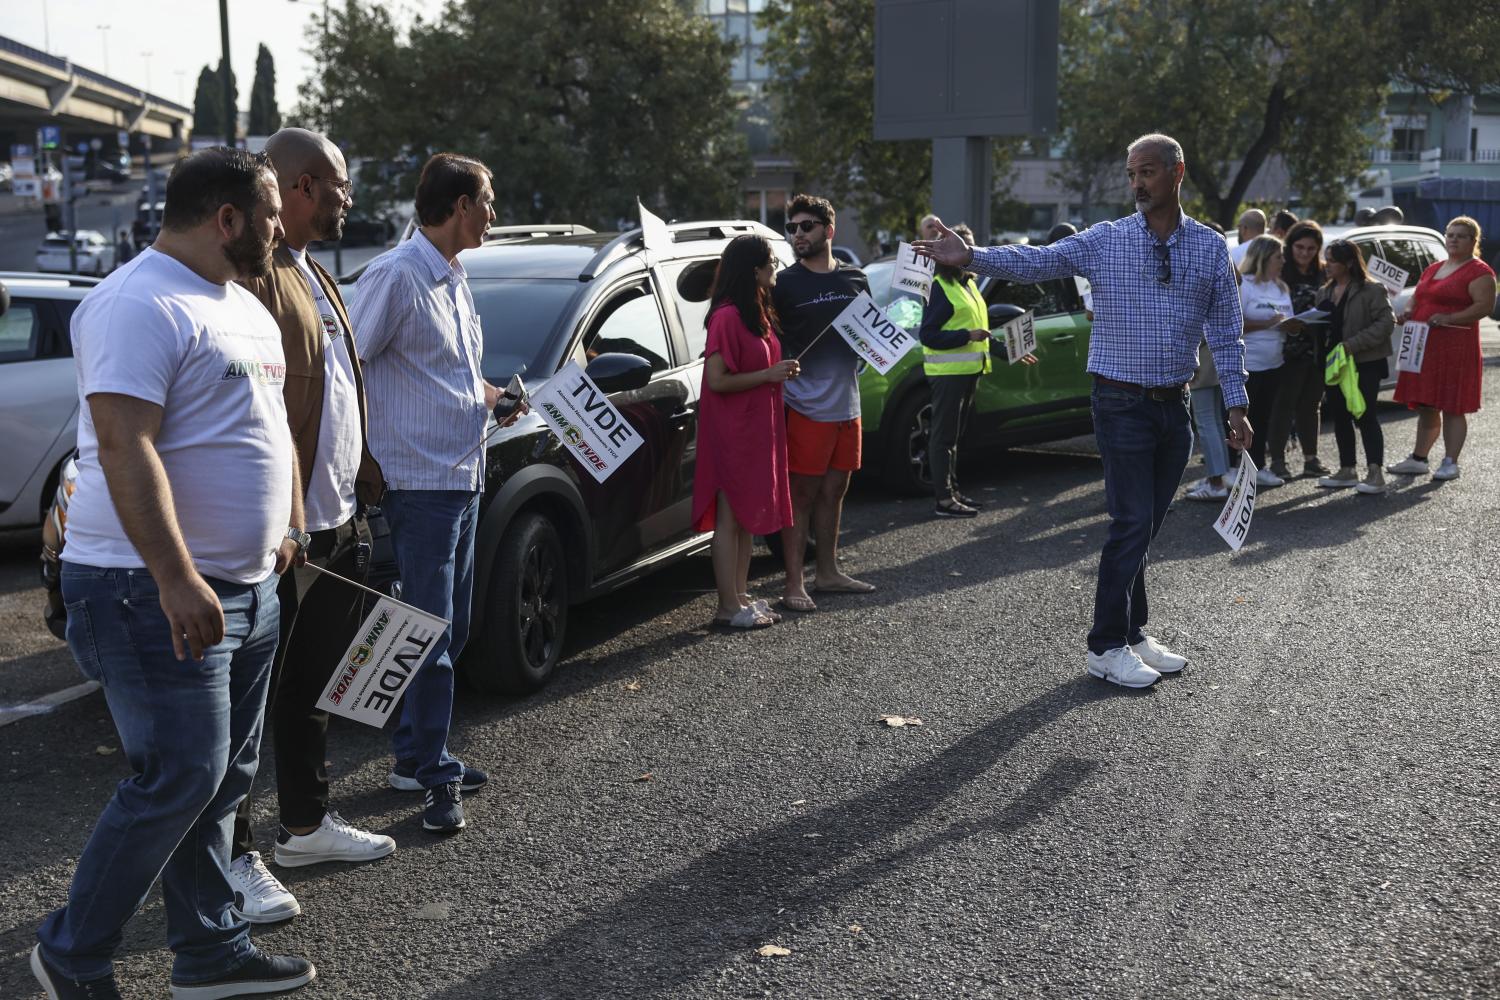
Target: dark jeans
191,732
1144,445
1371,374
952,402
318,619
432,532
1263,388
1297,398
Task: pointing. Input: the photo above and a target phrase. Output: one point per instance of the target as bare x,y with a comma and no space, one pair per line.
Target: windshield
518,315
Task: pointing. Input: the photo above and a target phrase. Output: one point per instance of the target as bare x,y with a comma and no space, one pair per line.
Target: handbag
1298,346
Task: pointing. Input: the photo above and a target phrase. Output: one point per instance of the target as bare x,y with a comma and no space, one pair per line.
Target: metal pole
230,125
338,246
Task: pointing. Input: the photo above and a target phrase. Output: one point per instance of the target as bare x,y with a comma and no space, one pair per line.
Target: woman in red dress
1452,297
740,485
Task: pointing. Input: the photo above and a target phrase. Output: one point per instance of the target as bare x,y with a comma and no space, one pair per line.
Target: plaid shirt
1145,331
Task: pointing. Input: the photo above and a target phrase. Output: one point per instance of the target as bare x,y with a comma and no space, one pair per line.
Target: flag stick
372,590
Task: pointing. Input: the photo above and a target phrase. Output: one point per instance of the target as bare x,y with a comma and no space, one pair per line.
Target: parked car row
95,254
549,536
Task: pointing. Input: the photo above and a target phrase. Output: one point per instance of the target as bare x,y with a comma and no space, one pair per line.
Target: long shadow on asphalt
730,900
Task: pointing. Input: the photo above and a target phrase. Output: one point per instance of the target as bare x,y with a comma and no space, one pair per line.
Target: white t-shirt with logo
330,482
1259,300
210,356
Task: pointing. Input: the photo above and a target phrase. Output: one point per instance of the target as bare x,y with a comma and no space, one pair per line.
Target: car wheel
527,610
907,468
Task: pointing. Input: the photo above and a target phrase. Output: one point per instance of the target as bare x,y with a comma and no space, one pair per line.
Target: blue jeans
1145,445
1208,425
191,732
432,532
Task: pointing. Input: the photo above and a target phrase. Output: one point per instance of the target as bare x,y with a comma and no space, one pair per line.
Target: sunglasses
1163,263
805,226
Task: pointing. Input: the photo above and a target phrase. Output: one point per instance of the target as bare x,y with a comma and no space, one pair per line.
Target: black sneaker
953,508
403,778
444,809
59,987
262,973
969,501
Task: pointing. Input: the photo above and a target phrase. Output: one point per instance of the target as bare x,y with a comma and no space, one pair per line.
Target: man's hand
290,554
975,336
949,248
492,395
193,613
1241,434
517,413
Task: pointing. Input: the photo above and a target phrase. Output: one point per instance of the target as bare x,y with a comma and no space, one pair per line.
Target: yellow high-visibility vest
969,313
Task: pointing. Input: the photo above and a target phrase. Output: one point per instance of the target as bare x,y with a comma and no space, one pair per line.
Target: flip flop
852,587
801,605
744,618
764,607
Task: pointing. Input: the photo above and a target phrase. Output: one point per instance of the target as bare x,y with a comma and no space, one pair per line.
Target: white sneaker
1158,657
1447,469
1265,477
258,896
333,840
1121,666
1408,467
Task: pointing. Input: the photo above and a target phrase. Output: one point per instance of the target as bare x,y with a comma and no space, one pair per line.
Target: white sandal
1207,491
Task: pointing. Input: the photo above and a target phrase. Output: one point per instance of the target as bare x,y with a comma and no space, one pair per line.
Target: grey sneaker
1409,466
1447,469
1373,483
1342,479
259,897
1312,466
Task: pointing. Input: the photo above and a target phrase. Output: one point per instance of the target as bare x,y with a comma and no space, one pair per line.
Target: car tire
906,468
527,610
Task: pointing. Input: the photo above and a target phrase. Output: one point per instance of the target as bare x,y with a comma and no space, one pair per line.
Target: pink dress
1453,367
742,435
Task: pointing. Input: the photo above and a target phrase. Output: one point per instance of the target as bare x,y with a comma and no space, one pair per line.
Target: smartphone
510,400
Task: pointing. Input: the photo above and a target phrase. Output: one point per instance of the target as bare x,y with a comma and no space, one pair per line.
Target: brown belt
1160,393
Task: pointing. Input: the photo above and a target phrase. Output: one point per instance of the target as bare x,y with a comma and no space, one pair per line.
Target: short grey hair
1168,148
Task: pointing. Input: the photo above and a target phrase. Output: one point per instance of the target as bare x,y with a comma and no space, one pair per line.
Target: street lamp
104,44
146,57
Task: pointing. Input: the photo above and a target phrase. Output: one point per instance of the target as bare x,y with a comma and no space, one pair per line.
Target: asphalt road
1308,811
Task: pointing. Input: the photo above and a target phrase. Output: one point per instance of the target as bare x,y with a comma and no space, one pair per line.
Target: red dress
742,435
1452,368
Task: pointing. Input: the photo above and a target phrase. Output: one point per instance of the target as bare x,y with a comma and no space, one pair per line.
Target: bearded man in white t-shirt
187,508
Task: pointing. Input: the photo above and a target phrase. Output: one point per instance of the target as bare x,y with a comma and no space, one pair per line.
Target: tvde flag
392,643
872,334
585,421
1233,524
1020,337
1388,274
913,273
1412,347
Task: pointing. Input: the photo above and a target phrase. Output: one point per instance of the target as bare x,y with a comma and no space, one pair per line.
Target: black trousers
1262,388
952,402
1371,374
318,619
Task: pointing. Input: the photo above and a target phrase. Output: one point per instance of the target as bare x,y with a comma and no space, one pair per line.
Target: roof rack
681,232
504,234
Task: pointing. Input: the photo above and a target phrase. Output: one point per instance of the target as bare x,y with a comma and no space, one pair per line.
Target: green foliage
208,105
265,118
578,106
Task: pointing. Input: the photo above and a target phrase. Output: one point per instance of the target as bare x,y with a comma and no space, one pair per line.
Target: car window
630,323
878,273
691,283
18,332
1414,256
518,316
1049,298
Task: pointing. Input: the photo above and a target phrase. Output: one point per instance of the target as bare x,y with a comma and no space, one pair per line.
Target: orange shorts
814,447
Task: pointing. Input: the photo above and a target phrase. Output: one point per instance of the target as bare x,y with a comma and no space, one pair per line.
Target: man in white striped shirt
420,341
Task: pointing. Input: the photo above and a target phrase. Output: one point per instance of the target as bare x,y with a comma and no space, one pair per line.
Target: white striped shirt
420,342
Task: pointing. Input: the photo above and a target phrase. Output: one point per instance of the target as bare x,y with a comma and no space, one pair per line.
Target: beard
813,248
329,224
249,255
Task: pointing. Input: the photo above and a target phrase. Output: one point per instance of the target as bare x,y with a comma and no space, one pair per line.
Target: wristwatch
302,538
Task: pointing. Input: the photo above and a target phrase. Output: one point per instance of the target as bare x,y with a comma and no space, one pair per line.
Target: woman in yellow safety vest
955,336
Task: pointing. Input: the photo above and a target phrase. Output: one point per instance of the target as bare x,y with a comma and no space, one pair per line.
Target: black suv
549,535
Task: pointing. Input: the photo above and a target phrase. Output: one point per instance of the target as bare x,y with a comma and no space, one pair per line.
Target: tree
1238,83
591,103
208,105
264,116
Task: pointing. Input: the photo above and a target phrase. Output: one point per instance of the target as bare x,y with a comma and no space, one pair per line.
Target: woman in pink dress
740,485
1452,297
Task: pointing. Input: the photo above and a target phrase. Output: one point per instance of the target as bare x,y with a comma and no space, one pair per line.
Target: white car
38,392
96,255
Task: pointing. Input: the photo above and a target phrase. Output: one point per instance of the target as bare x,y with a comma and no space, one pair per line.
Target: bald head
314,183
1252,224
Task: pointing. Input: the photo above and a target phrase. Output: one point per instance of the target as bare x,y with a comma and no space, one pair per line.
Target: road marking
46,703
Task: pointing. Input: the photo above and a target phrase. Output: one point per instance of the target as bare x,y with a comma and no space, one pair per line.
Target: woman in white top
1266,303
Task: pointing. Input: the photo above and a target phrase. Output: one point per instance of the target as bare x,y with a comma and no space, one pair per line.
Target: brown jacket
286,295
1368,321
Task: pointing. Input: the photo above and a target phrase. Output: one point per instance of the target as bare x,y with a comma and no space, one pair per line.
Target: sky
182,36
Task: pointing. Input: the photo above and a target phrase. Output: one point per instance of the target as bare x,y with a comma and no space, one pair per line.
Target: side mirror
619,372
1002,313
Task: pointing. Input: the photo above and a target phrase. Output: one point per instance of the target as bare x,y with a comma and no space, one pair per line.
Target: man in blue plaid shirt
1161,283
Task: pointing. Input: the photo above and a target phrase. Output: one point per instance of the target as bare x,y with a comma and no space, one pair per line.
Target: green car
1015,404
